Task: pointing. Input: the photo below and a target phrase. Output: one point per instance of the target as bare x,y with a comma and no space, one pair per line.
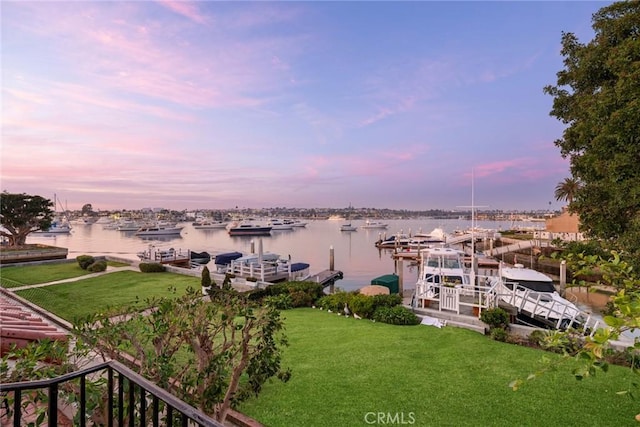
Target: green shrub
85,261
495,318
499,334
151,267
281,302
398,315
334,302
362,305
390,300
536,337
205,277
97,266
300,298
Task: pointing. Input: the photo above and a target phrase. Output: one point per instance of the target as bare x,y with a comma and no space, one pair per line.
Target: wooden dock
326,277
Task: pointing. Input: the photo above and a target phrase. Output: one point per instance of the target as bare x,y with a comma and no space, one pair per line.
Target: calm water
354,252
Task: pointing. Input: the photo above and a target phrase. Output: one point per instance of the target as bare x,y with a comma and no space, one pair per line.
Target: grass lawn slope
346,369
12,277
96,294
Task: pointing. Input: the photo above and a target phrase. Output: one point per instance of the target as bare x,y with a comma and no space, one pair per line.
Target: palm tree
567,189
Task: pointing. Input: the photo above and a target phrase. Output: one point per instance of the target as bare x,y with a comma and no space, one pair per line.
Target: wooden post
400,277
563,276
331,267
331,258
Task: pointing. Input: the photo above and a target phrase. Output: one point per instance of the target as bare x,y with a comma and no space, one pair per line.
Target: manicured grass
344,369
96,294
12,277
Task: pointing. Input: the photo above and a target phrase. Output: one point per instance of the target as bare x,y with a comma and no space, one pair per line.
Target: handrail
187,411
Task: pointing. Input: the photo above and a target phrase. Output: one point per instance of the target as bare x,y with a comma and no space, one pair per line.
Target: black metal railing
131,400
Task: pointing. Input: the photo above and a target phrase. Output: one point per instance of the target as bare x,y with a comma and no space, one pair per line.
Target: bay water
354,252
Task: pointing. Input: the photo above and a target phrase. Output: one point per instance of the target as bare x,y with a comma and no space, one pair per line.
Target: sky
213,104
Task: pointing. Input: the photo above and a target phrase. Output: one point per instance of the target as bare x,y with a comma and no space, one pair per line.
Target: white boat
128,225
209,224
267,267
280,224
59,225
298,223
442,267
248,228
159,230
348,227
374,224
536,300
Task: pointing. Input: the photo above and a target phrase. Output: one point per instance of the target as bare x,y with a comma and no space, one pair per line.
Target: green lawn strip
12,277
346,368
113,290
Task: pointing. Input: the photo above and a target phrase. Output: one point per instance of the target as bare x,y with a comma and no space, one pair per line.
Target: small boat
536,300
374,224
127,225
159,230
200,257
223,260
348,227
209,225
298,223
245,228
281,224
59,225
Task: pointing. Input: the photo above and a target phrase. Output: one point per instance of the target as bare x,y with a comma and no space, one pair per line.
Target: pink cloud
186,9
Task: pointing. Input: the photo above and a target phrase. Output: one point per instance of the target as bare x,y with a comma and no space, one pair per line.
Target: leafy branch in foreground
211,352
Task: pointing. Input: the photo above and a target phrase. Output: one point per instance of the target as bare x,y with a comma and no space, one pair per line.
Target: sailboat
60,223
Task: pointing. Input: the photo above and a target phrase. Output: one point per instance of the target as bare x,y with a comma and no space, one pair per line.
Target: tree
567,189
87,210
598,96
22,214
232,346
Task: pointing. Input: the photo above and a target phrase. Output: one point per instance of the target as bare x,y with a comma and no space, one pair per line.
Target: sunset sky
210,104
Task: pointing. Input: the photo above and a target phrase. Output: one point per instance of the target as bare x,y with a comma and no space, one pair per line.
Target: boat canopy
226,258
299,266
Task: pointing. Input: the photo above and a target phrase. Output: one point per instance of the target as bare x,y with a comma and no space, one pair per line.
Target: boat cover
226,258
298,266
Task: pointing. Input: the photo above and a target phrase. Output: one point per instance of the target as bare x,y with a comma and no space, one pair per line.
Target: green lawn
345,369
12,277
96,294
348,372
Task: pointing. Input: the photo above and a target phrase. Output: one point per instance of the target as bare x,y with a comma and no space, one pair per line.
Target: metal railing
130,400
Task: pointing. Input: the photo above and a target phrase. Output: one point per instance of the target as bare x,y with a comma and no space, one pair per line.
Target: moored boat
245,228
159,230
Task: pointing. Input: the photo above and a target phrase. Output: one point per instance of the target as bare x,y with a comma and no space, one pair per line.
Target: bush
205,277
334,302
281,302
362,305
85,261
390,300
151,267
495,318
499,334
97,266
398,315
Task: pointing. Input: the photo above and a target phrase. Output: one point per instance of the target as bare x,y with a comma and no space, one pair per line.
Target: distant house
565,226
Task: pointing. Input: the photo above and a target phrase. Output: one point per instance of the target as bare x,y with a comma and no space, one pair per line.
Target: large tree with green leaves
597,96
22,214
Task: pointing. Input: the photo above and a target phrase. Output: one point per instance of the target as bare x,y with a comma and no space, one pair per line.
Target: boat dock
326,277
177,258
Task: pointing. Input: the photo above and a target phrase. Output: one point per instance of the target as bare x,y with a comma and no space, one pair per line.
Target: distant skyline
213,105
